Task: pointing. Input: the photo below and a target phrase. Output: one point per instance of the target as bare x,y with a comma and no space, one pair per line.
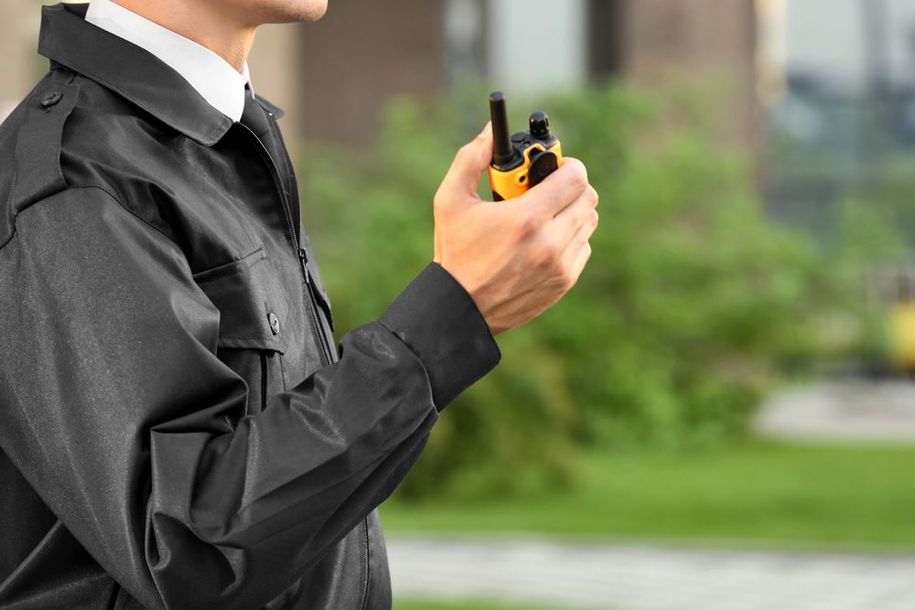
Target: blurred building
335,75
18,23
361,53
843,115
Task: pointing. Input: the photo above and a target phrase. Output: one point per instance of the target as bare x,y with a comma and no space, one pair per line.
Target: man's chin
300,10
320,10
260,12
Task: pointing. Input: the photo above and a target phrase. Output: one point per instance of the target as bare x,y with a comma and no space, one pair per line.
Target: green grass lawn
799,496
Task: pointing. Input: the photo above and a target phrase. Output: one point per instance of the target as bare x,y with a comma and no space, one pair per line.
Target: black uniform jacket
178,428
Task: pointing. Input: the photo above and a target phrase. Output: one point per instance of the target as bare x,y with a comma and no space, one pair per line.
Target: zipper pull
303,256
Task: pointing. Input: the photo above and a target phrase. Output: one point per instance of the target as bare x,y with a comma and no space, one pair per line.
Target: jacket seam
221,270
135,215
114,198
84,187
206,139
37,92
128,209
367,563
61,72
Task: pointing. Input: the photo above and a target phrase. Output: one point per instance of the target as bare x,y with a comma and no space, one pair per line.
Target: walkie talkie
520,161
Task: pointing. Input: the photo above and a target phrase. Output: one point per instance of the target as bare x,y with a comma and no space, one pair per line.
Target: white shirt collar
212,76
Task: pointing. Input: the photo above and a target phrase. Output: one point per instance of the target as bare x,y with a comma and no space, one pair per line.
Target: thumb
470,162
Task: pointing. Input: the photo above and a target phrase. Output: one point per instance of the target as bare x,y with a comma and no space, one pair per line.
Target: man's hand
516,258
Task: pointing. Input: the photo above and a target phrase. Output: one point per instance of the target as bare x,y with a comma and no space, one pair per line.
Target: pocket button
274,323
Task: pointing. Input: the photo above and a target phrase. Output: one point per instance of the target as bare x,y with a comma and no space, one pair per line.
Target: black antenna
502,151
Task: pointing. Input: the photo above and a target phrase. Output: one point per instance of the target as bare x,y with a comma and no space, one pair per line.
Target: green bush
692,303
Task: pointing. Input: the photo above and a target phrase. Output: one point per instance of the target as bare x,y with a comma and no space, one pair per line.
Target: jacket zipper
312,310
326,350
263,383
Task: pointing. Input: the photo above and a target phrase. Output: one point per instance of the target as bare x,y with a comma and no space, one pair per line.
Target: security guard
177,427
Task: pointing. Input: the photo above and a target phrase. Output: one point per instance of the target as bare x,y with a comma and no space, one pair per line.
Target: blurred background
720,415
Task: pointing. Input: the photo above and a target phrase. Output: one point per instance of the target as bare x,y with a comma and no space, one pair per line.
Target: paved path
636,577
857,411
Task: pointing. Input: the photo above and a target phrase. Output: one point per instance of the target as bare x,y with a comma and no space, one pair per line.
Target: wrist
477,293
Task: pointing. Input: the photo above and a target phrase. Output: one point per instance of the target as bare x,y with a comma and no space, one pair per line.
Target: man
177,429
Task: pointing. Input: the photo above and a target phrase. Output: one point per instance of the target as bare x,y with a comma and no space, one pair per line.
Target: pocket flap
252,307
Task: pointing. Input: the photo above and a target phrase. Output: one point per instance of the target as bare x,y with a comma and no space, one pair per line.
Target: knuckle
580,180
439,203
578,174
527,225
541,261
587,253
595,218
593,195
546,254
551,251
463,155
569,279
585,214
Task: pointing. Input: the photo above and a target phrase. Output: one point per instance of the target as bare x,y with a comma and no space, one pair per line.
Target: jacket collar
209,73
137,75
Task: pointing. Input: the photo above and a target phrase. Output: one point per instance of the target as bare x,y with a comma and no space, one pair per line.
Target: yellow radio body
523,160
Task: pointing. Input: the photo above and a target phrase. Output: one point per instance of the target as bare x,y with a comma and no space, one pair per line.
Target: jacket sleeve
116,409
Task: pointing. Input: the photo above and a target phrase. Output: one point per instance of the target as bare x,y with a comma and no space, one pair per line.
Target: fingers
577,252
581,212
559,190
469,164
581,259
582,233
577,227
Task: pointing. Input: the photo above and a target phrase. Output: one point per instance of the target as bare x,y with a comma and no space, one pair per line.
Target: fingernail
486,130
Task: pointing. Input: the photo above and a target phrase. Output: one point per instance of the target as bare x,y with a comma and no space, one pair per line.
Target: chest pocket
253,311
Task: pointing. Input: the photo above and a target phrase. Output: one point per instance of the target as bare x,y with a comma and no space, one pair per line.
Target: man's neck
203,22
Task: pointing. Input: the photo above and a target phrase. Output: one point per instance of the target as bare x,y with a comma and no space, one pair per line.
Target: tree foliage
692,304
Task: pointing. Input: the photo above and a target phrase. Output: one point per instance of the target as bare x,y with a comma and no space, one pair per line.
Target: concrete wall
276,68
363,52
20,63
538,45
707,40
359,55
334,76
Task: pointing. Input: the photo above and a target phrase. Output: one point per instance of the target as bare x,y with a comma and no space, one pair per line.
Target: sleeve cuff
439,321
